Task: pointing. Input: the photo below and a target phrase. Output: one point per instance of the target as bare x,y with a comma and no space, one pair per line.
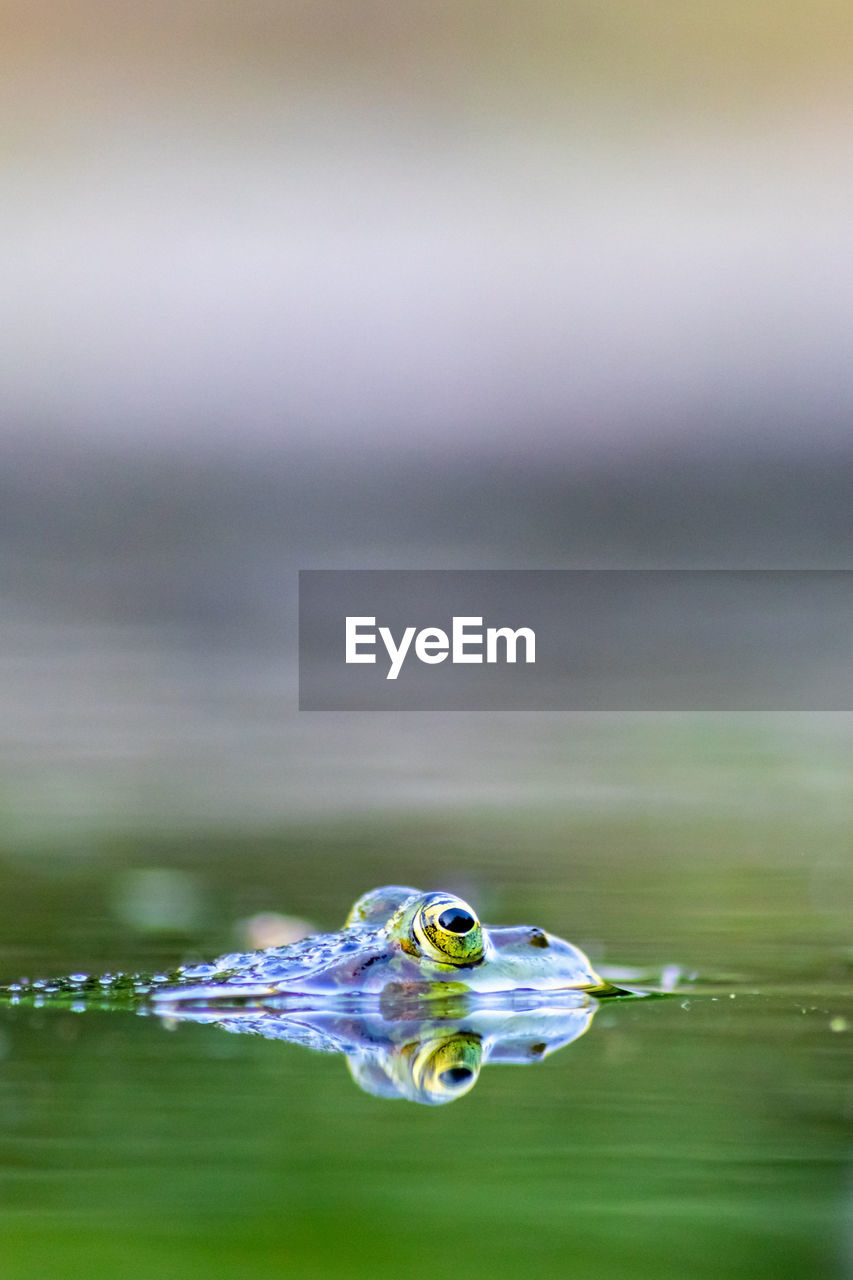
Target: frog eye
447,930
443,1069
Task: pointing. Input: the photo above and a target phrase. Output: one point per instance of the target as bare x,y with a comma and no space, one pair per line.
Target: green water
703,1135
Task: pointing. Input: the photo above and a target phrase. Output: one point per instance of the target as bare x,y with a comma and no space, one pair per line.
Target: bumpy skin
397,944
393,945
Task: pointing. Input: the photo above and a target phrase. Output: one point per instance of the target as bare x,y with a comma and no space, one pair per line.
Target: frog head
444,941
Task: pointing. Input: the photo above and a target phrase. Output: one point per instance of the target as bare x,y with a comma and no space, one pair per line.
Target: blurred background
436,284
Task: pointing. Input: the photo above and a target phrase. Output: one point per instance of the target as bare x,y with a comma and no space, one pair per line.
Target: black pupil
455,921
455,1075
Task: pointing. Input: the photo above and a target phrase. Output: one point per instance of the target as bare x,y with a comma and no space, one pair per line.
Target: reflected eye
442,1070
447,930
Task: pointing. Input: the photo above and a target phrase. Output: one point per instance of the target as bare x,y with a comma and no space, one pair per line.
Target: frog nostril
456,921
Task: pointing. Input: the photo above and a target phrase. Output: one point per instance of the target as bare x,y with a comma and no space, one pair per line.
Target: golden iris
447,930
444,1068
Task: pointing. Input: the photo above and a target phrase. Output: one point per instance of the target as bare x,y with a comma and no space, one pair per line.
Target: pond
705,1133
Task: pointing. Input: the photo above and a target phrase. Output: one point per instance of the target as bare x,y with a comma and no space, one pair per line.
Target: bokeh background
453,285
434,285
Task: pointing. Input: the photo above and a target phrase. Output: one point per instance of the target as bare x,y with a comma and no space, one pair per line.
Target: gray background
430,286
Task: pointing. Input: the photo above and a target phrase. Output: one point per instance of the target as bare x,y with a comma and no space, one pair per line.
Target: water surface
704,1134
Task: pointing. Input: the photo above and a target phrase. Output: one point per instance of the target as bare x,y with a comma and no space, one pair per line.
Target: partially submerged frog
397,942
414,990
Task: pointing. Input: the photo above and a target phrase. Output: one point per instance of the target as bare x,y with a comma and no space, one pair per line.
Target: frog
398,944
415,991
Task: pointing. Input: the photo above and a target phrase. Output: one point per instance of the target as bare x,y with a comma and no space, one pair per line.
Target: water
667,1140
705,1134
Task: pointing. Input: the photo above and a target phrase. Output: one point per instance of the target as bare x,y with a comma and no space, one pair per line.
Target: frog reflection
394,1053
